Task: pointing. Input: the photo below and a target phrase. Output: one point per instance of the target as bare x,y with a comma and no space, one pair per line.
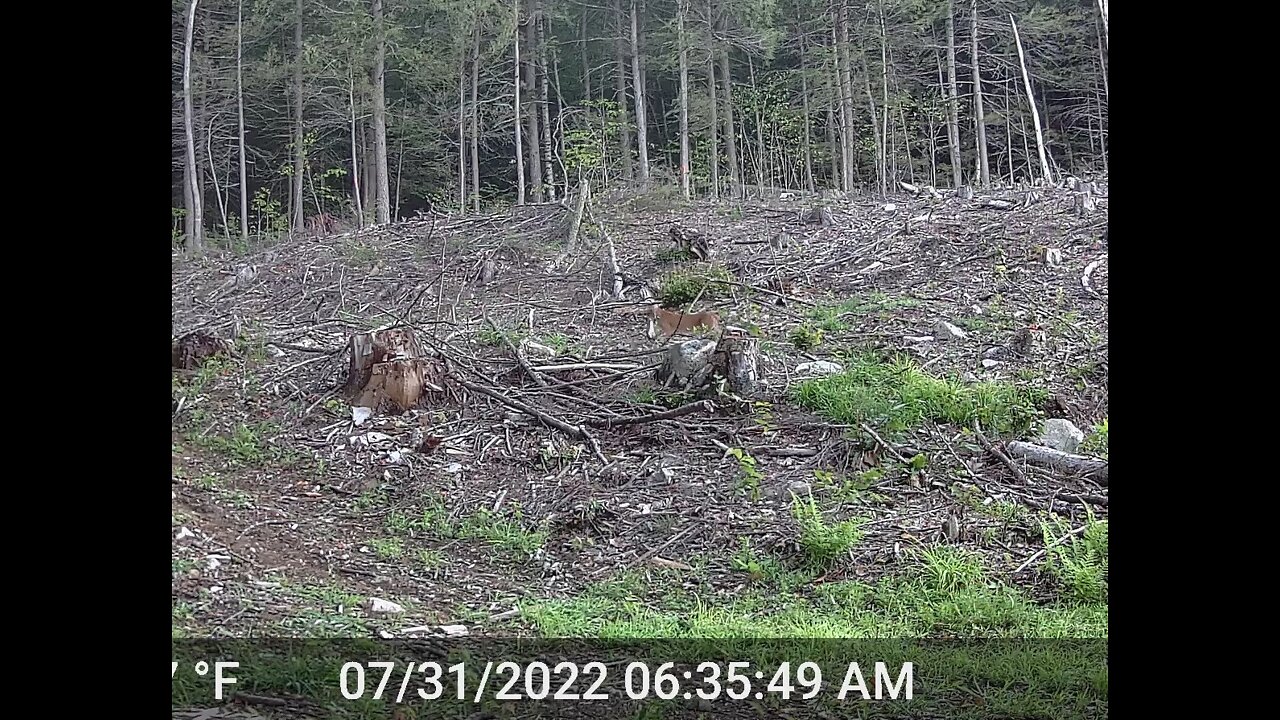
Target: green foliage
805,337
684,286
899,395
1080,562
823,542
1098,442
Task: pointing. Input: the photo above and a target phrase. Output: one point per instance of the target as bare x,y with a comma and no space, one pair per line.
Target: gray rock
1061,434
944,330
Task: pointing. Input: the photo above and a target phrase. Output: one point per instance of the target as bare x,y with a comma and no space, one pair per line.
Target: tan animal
674,322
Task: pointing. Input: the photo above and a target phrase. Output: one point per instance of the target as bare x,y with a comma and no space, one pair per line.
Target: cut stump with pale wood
388,373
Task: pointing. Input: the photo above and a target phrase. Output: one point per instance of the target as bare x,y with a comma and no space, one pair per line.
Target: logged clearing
880,479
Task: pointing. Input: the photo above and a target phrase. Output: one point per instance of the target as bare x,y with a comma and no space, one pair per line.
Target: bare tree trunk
355,149
529,92
195,211
884,104
875,127
462,138
804,97
759,119
620,65
846,97
548,169
369,180
244,174
586,61
380,114
299,152
730,131
713,132
979,115
831,145
1031,98
953,101
684,98
475,118
637,84
1104,9
520,190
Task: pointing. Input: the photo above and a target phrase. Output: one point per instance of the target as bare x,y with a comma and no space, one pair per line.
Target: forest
364,112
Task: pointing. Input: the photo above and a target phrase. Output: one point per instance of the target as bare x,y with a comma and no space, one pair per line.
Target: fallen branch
1088,273
1013,467
1095,469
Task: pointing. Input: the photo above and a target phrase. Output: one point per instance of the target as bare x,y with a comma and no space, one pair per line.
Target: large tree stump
387,373
191,350
737,359
692,242
820,215
687,364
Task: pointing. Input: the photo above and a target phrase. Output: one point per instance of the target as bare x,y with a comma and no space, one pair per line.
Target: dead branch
1095,469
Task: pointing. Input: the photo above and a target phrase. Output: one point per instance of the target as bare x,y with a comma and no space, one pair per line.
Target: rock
360,414
528,347
799,487
184,532
818,367
1061,434
453,468
988,363
378,605
454,630
946,331
918,338
993,352
890,207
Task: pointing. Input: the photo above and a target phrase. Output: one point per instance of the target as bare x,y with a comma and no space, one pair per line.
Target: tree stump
387,373
1085,204
192,349
692,242
737,359
686,364
820,215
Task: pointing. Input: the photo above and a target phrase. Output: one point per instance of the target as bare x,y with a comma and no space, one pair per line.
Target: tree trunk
532,144
637,84
244,182
195,211
1045,172
846,98
759,120
953,101
299,152
713,132
979,115
586,61
620,96
355,148
548,170
380,114
520,189
475,118
1103,9
462,136
684,99
804,98
730,131
884,105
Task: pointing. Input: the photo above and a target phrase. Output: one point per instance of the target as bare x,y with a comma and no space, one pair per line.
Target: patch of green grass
898,395
680,288
387,548
823,542
324,610
834,317
673,254
805,337
507,535
245,445
430,559
557,341
370,499
208,482
182,566
1098,442
749,480
237,499
1079,563
494,338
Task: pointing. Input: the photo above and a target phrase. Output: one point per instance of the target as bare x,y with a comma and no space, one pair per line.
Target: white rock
918,338
454,630
818,367
360,414
453,468
378,605
184,532
988,363
1061,434
946,331
890,207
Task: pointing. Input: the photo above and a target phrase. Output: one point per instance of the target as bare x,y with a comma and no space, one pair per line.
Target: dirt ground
289,518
